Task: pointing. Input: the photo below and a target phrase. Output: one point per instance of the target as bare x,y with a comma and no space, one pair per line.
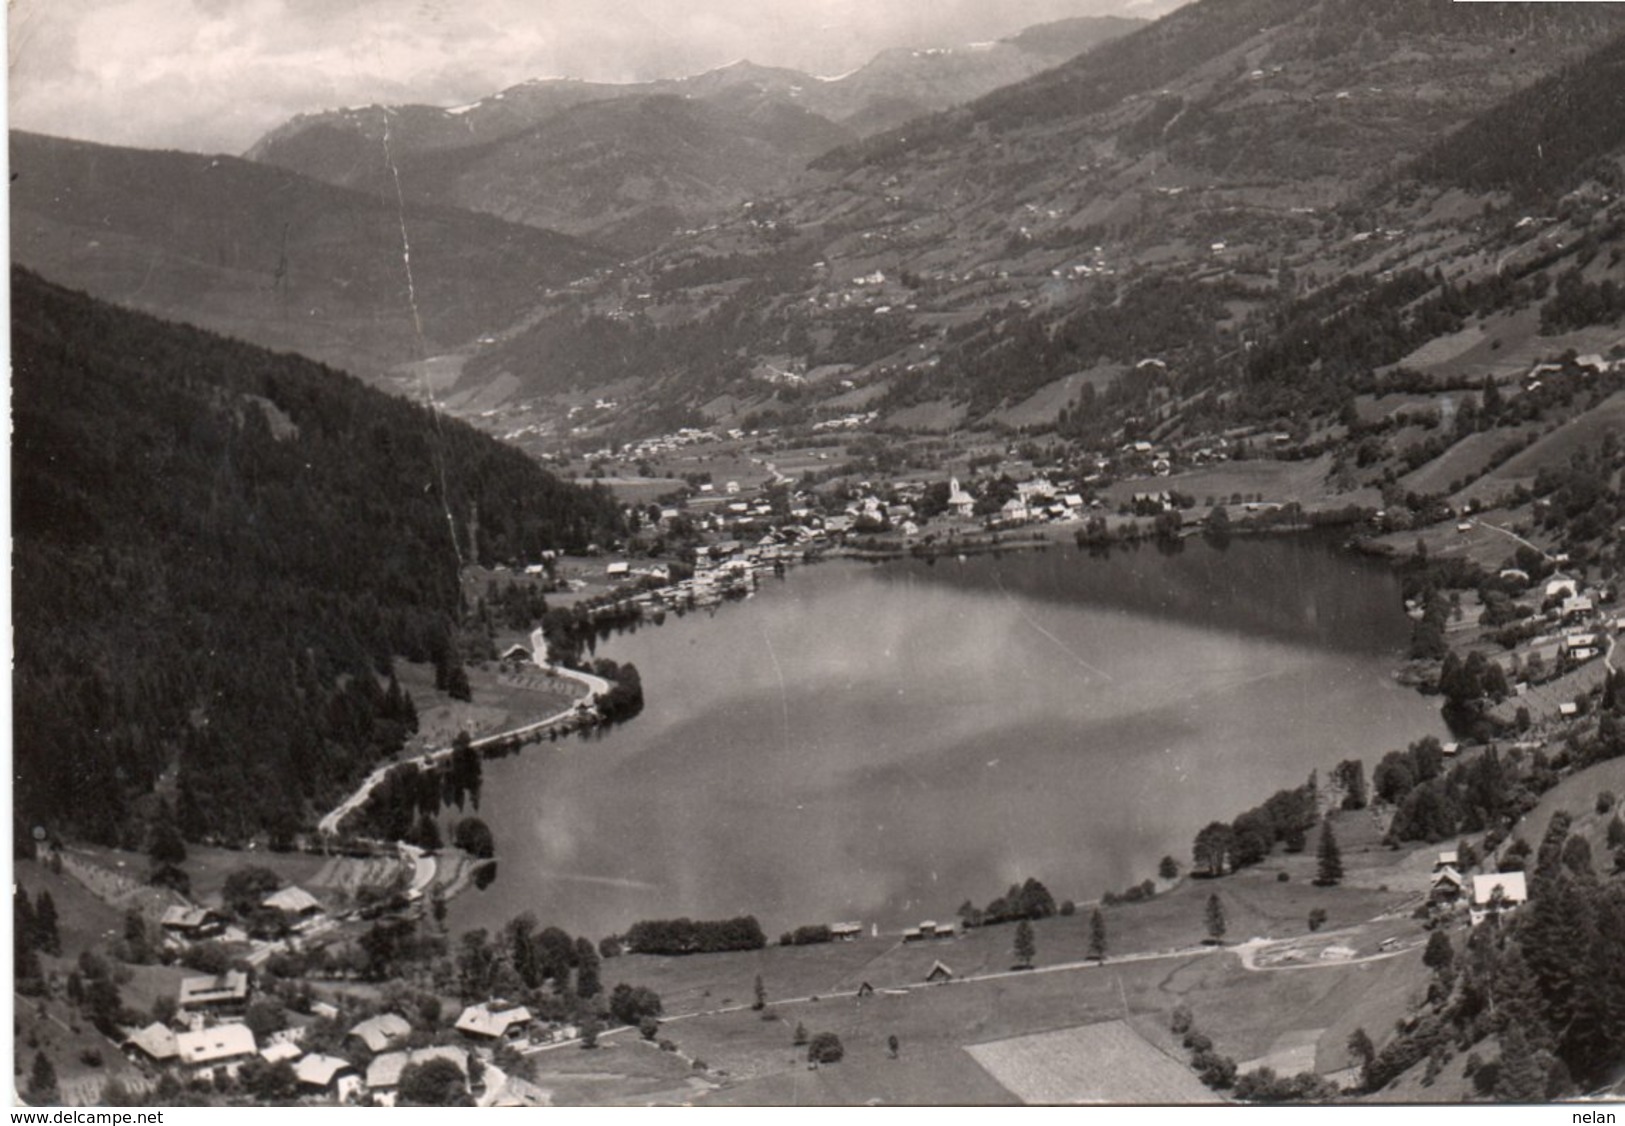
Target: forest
219,553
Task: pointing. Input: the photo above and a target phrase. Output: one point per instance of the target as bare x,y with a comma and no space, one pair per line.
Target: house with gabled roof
1497,892
293,900
219,1046
382,1032
493,1020
1447,885
328,1075
192,923
384,1073
154,1044
281,1050
939,973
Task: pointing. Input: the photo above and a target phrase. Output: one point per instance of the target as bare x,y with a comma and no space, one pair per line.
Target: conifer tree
1329,867
1025,948
42,1085
1215,918
46,935
1521,1078
1097,936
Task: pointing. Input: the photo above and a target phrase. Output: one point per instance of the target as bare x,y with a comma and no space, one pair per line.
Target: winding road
596,687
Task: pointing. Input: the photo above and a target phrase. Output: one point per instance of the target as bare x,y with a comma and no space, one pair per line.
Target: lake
881,742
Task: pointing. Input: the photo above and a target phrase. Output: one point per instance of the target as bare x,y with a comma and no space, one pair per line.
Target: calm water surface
882,742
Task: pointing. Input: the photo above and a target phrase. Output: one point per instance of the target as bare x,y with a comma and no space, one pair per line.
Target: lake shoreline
1023,547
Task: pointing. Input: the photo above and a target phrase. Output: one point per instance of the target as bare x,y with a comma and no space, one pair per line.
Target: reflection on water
884,742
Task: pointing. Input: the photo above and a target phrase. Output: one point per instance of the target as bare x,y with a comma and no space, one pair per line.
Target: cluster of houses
184,924
1484,894
1576,631
215,1041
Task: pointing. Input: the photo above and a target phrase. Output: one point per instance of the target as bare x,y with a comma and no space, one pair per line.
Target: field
1276,481
1462,463
500,701
1577,795
1555,449
620,1072
956,1037
1093,1063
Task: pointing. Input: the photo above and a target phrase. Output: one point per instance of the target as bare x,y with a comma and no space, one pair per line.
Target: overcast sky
214,75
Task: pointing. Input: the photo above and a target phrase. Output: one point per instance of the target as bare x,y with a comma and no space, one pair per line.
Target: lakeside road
596,688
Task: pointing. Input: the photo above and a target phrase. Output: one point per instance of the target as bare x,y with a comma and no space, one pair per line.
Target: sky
216,75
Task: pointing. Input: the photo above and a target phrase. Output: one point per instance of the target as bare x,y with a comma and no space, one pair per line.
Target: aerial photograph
742,553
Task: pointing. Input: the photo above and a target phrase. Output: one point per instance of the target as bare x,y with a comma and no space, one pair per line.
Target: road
596,687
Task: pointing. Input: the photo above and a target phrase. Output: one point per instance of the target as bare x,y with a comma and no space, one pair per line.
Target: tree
474,837
893,1045
588,965
1521,1076
1097,936
825,1048
800,1036
1317,918
42,1086
1329,861
166,849
436,1082
761,995
46,935
1214,847
268,1082
1025,947
1439,955
589,1031
629,1004
1215,918
1361,1050
246,887
1169,868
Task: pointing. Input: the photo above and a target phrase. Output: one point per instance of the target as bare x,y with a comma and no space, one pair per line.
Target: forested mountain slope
218,552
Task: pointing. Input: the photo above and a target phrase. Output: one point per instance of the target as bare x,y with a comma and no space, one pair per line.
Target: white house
224,1045
1496,892
493,1020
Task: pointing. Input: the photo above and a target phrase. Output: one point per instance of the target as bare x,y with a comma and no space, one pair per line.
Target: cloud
214,75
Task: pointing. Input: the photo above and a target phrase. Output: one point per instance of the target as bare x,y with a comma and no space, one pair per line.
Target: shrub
825,1048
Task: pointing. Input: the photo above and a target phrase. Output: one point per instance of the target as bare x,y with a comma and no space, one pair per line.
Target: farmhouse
939,973
382,1032
1447,885
1497,892
328,1075
153,1044
295,901
384,1073
493,1020
224,1045
193,923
